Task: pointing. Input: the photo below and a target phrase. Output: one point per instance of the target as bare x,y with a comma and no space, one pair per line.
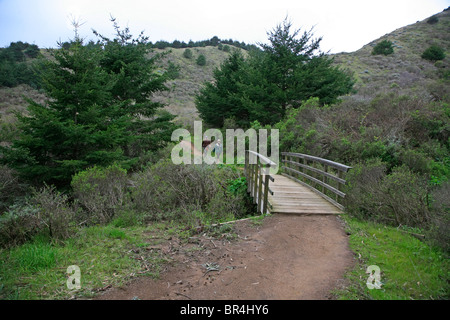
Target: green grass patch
410,269
106,255
35,256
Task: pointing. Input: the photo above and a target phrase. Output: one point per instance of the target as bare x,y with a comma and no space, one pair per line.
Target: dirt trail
190,147
286,257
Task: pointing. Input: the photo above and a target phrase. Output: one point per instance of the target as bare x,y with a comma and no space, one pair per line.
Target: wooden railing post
246,165
257,168
266,191
255,180
305,163
260,184
286,159
324,178
339,185
248,171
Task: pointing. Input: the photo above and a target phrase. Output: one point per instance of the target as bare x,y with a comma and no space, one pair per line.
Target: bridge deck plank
292,197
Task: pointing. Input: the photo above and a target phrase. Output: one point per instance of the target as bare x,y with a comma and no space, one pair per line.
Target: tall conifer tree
286,71
99,110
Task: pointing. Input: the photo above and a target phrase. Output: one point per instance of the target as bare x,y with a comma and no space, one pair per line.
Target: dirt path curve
190,147
286,257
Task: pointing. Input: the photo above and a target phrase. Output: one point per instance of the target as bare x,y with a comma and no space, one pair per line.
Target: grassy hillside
404,71
12,100
180,99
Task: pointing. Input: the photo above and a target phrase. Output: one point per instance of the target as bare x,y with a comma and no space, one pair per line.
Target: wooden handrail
262,158
315,173
257,173
337,165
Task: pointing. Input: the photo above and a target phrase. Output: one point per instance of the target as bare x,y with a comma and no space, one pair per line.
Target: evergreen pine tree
98,112
219,100
288,70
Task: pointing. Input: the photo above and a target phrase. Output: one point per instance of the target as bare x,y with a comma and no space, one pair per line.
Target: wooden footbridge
304,184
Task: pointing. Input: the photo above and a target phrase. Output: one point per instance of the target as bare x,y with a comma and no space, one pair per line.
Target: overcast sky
345,25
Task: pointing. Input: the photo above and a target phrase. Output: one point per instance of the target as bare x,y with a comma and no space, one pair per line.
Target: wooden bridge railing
322,176
257,172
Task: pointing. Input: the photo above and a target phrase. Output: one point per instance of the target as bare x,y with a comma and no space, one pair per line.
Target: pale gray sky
345,25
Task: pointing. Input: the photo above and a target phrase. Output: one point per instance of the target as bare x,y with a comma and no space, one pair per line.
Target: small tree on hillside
32,51
433,20
201,60
14,69
384,47
433,53
187,53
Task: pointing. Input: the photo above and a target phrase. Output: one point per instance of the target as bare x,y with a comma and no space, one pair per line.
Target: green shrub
439,233
169,191
19,224
224,206
237,186
405,198
416,160
10,187
173,71
166,188
383,47
429,124
151,193
201,60
14,70
440,171
297,130
47,211
187,53
434,53
55,212
398,198
362,188
100,191
127,218
433,20
32,51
